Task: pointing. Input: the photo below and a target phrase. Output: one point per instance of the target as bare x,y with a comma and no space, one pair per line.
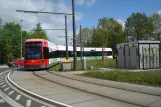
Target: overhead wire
38,18
44,9
48,6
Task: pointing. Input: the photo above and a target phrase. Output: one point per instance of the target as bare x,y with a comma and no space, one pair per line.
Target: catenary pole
66,37
81,41
21,36
74,37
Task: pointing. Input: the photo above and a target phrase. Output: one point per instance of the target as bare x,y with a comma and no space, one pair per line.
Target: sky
87,13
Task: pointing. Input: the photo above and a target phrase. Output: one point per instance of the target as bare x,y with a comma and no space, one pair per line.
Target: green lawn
97,64
2,64
152,78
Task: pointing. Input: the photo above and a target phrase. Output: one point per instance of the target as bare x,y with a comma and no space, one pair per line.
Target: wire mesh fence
149,61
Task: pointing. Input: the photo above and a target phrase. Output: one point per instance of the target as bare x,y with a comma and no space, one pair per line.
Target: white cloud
90,3
122,22
159,11
79,2
8,14
79,16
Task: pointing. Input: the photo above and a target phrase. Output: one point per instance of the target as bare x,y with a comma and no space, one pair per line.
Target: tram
40,53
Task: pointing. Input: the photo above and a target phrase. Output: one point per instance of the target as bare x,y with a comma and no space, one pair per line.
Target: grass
152,78
97,64
2,64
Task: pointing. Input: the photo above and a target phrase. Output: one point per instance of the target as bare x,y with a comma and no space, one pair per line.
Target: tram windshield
33,50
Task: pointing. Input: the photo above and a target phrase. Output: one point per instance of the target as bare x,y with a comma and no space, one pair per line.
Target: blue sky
118,9
87,13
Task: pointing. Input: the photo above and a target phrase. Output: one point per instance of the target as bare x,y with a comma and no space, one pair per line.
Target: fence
149,61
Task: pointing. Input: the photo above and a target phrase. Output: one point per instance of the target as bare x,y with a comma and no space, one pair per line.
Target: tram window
78,53
99,53
61,53
106,53
52,54
86,53
96,53
56,54
70,53
92,53
109,52
46,52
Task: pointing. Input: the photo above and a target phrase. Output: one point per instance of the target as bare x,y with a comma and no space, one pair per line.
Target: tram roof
33,40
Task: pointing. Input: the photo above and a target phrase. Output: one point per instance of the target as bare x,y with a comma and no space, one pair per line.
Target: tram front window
33,50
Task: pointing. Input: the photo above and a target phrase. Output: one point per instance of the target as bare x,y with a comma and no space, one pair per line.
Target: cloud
90,3
79,16
79,2
159,11
122,22
48,21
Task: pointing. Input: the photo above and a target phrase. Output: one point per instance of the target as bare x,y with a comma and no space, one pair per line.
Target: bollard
90,67
84,63
12,70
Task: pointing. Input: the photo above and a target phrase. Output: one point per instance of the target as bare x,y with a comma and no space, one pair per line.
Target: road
4,68
3,103
10,97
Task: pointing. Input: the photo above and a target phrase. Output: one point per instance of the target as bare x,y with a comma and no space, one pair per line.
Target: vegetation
10,40
152,78
97,64
86,40
156,20
108,33
139,27
39,32
112,32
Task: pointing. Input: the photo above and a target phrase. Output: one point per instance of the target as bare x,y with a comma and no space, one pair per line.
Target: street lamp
21,36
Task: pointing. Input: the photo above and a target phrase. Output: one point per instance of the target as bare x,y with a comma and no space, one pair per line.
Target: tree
1,40
97,38
25,35
39,32
0,22
139,27
10,41
156,20
86,36
108,33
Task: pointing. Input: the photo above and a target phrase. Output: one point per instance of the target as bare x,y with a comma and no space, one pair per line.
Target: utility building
138,55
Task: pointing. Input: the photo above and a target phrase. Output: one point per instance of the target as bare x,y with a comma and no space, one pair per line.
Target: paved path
3,66
113,84
109,92
54,91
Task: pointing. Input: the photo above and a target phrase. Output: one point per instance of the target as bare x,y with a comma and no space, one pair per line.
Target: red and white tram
40,53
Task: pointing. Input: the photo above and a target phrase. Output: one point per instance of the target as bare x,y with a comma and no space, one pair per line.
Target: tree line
110,32
10,39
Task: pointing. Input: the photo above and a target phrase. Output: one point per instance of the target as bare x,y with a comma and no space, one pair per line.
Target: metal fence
149,61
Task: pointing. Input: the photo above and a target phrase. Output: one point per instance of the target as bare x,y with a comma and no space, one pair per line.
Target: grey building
138,55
